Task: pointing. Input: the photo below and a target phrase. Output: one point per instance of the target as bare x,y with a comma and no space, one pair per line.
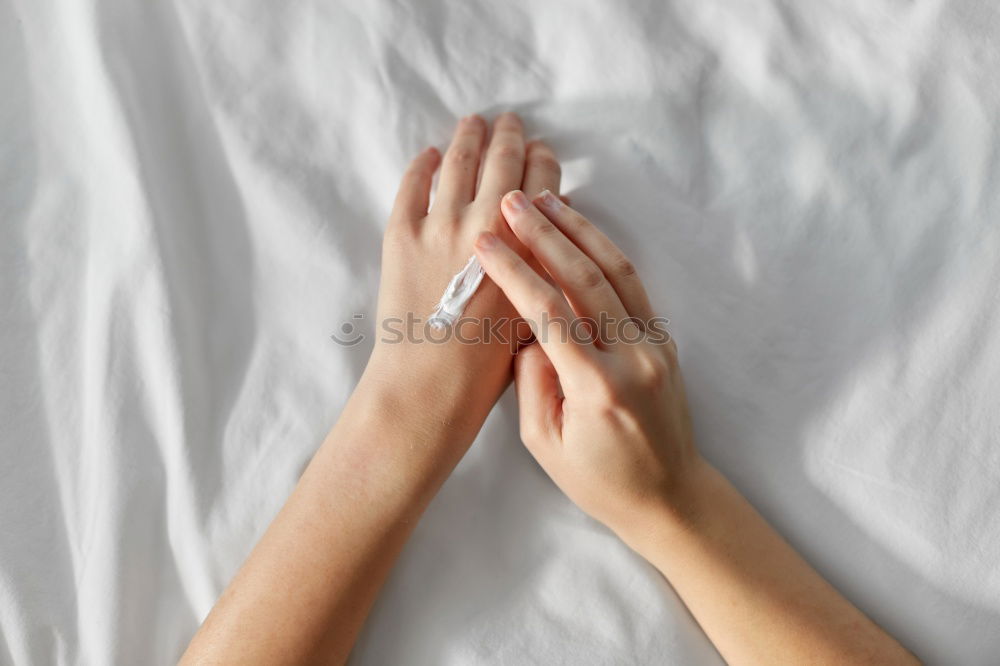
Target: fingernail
486,240
550,200
518,201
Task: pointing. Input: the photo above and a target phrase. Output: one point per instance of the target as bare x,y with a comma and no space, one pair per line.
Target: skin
305,590
606,419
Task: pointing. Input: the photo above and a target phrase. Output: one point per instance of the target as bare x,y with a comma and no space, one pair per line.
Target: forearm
755,597
303,594
307,587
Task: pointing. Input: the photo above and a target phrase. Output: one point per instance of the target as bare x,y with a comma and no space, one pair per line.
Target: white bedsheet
191,201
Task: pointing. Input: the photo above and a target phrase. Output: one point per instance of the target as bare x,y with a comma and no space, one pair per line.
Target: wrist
685,507
452,383
421,398
397,455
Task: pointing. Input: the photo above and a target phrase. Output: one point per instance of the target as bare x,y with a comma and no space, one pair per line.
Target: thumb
538,399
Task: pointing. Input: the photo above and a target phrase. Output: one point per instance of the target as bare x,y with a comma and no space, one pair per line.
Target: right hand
609,423
607,419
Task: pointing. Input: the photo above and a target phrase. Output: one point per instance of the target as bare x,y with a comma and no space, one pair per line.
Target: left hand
424,246
306,589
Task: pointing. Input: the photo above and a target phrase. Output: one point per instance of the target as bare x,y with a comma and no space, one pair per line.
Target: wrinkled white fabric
192,196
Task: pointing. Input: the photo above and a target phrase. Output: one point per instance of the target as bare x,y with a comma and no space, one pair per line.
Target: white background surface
191,202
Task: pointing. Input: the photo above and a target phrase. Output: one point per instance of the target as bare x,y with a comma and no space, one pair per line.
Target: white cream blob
457,294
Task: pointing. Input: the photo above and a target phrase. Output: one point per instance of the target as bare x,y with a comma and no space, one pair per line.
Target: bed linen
191,201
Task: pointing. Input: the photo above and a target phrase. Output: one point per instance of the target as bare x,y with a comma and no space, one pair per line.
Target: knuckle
460,156
654,371
576,222
623,266
585,273
544,162
508,263
495,225
540,231
508,152
547,301
512,271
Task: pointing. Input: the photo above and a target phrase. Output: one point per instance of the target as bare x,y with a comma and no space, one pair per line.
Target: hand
304,592
604,414
423,249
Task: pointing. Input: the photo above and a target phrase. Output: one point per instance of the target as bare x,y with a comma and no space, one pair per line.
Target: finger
503,164
541,169
535,300
619,271
460,167
582,280
538,401
415,188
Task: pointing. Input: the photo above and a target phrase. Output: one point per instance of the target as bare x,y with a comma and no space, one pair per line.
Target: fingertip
427,156
546,199
509,118
485,241
516,202
473,119
537,145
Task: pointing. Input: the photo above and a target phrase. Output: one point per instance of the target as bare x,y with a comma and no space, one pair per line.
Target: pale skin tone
607,420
